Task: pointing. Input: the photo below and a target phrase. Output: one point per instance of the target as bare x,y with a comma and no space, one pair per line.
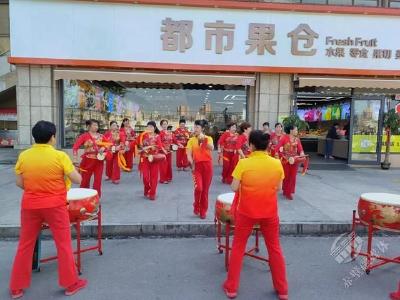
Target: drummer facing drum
44,201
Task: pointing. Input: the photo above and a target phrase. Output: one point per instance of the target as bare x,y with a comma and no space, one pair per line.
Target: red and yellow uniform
242,143
149,170
288,147
181,137
259,177
90,165
166,165
129,136
202,173
117,138
274,141
227,143
44,200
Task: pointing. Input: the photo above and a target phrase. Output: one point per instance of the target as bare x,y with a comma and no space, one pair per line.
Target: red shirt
243,144
181,136
145,140
166,139
228,141
274,141
116,138
90,144
128,133
289,148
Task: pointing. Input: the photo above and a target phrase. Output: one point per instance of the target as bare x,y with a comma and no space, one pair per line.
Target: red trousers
289,183
229,162
31,221
113,170
202,177
150,173
129,155
89,167
181,158
166,168
270,230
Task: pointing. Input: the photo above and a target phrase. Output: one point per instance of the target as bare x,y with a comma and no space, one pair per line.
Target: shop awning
177,78
349,82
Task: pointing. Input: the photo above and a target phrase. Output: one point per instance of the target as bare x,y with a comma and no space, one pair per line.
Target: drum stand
369,254
228,228
79,250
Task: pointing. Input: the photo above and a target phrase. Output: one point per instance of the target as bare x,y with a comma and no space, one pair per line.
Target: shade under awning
177,78
349,82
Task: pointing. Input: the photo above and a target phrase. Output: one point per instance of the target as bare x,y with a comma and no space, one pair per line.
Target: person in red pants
166,137
117,138
289,146
181,137
150,147
199,154
227,152
242,143
41,172
92,162
256,180
395,295
130,142
275,139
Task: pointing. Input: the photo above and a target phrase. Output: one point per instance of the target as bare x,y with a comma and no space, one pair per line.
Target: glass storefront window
141,102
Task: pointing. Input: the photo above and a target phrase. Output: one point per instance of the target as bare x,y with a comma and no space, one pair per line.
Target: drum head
226,198
382,198
79,193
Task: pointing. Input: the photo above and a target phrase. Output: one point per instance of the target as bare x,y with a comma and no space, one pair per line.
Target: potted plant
296,121
391,122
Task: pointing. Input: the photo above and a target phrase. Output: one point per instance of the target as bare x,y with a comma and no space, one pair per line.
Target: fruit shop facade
221,60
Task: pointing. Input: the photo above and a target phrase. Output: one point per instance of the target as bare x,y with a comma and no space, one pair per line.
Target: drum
83,204
174,147
156,157
304,159
223,207
382,209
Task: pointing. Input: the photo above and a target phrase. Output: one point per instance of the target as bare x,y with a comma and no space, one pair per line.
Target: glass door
366,130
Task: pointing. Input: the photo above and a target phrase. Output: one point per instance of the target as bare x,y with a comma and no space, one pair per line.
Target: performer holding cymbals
289,148
199,154
130,143
92,163
117,138
151,154
166,165
181,137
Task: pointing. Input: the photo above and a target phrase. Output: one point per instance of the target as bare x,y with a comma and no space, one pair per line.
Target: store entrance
322,109
366,130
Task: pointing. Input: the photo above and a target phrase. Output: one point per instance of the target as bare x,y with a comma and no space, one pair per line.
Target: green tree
391,122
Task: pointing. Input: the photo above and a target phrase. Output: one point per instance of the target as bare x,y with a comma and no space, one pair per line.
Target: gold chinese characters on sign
261,40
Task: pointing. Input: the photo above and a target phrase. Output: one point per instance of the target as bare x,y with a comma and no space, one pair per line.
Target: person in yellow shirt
199,153
44,173
256,180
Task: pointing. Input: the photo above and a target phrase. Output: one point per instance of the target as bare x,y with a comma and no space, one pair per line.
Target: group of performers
233,145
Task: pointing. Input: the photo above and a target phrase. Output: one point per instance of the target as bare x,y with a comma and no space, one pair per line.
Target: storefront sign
363,143
394,144
202,36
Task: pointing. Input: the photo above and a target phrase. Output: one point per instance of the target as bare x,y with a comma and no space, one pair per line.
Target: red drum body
156,157
304,160
83,204
223,208
380,209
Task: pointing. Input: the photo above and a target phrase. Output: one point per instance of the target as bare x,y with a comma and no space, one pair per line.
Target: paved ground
184,269
321,196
